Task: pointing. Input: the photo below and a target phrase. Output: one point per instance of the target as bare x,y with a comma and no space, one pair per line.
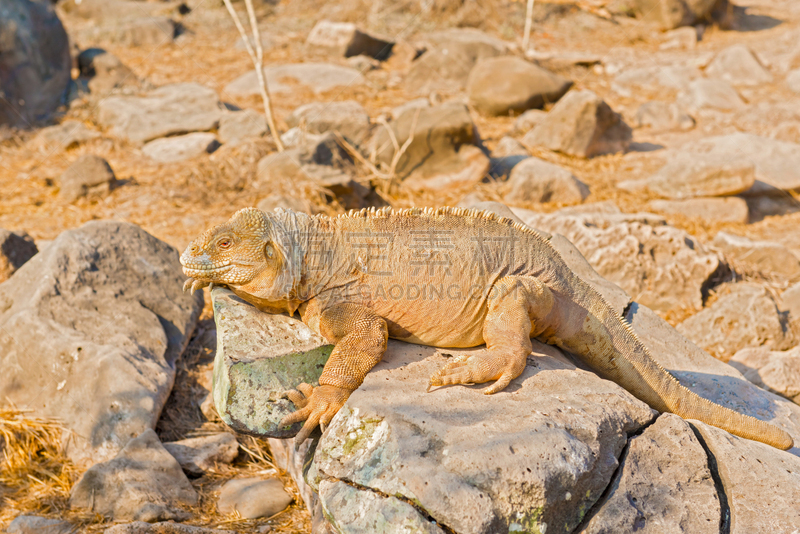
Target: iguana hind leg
514,303
360,337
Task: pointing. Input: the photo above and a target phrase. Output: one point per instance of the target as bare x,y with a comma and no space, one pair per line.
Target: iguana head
253,251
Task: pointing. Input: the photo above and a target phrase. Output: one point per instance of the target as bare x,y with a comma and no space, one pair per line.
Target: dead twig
528,23
257,56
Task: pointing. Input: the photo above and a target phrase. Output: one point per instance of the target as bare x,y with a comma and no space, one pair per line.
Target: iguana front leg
360,337
514,303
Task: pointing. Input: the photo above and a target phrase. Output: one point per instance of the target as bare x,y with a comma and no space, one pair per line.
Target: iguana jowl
446,277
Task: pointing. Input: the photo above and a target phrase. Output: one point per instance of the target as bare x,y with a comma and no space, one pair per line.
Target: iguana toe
317,407
187,284
477,369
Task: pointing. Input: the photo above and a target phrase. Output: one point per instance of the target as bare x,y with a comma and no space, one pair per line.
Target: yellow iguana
446,277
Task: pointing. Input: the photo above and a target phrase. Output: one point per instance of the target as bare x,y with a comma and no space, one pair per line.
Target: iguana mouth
205,271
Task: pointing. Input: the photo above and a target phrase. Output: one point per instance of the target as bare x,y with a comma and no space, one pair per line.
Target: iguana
445,277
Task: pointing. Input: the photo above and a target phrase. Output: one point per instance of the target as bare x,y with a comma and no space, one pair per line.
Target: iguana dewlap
446,277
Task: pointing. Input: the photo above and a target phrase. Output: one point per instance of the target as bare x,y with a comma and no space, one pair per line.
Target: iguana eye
225,242
268,249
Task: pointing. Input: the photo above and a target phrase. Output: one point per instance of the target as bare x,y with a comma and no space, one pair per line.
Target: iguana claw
193,285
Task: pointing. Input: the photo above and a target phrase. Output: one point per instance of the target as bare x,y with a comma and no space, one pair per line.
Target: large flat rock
172,109
539,453
259,357
283,79
90,329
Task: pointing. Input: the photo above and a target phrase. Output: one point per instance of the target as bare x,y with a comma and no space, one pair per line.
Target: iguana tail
632,367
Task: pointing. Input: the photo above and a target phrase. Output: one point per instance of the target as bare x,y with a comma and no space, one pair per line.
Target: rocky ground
661,138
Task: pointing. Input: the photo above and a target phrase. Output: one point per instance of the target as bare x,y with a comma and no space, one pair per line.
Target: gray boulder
104,71
146,31
449,58
766,257
662,116
15,250
89,175
253,497
283,79
510,85
172,109
200,455
581,124
738,65
536,181
437,134
656,78
488,468
91,328
143,482
34,62
346,39
659,266
747,316
775,371
180,147
349,118
661,467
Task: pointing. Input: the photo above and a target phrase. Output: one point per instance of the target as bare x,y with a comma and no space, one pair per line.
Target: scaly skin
447,277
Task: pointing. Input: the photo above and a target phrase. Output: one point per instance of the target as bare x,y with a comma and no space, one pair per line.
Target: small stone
680,38
762,256
537,181
793,80
259,357
15,250
729,209
89,175
143,482
775,371
655,78
528,120
688,175
280,201
180,147
363,63
663,116
510,85
283,79
345,39
669,14
200,455
745,317
172,109
253,497
507,154
738,65
508,146
710,94
581,124
68,134
467,167
240,125
104,70
349,118
31,524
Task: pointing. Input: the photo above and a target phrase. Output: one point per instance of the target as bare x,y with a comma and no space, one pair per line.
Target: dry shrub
35,474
